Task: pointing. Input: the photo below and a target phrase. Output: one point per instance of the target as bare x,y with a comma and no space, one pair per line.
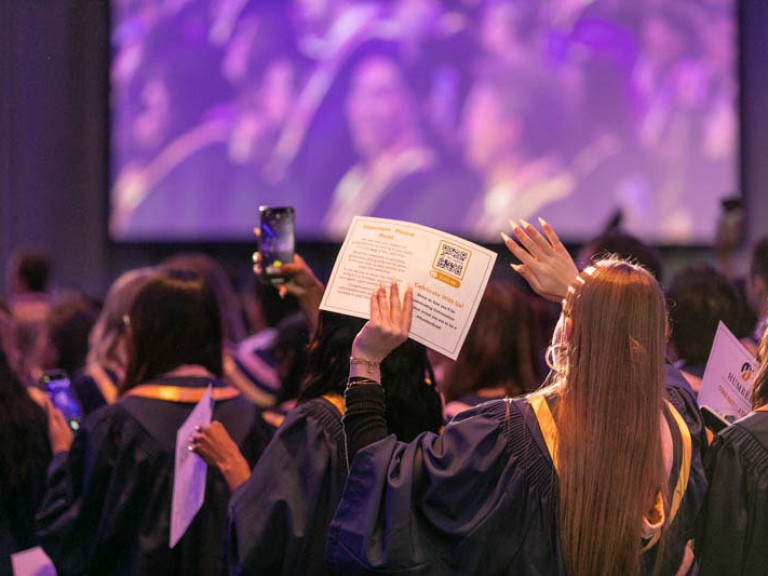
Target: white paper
189,471
448,276
729,376
32,562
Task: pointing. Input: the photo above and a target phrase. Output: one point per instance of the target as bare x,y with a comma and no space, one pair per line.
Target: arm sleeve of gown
437,503
365,419
733,527
279,517
78,482
685,522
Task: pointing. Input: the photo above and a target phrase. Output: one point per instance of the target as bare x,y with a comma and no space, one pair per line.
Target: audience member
280,514
107,355
260,388
399,171
733,527
699,298
511,122
27,278
63,341
107,508
626,246
499,357
265,309
24,457
584,477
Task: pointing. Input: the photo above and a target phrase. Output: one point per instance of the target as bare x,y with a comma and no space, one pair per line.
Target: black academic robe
107,508
280,516
479,499
733,527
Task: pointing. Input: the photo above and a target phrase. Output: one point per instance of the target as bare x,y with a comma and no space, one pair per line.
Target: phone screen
277,240
58,387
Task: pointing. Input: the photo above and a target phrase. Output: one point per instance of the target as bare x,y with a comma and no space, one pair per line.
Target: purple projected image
456,114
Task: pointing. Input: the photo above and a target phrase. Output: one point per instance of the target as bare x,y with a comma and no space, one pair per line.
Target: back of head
28,269
626,247
67,328
501,348
216,277
611,378
106,341
699,298
174,321
413,403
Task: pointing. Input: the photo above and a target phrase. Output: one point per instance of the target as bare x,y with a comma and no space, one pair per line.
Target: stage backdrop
458,115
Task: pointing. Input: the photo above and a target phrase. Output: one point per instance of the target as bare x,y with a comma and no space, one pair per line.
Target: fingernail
513,224
505,237
542,221
525,223
515,267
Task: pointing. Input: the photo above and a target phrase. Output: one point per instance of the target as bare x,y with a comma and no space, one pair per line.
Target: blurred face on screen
489,134
379,109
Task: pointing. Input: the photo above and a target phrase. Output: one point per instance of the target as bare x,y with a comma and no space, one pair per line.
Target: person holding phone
597,473
280,511
107,507
733,527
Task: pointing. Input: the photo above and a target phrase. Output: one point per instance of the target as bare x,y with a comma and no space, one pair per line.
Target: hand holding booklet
448,275
729,377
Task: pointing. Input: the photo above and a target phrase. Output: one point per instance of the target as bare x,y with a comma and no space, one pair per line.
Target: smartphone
713,420
276,241
59,389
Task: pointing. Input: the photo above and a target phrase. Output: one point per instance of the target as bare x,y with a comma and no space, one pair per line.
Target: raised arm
390,321
545,263
302,283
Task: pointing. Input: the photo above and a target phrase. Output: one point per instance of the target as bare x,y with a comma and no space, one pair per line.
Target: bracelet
364,362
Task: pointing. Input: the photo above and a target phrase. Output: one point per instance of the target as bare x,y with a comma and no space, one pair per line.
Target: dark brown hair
174,321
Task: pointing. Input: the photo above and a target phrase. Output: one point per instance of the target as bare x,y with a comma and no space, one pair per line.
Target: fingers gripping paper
448,275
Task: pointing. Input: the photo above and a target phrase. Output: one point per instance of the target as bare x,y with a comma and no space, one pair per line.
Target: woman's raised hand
545,263
388,326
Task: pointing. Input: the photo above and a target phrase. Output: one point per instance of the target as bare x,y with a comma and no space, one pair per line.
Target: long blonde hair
610,392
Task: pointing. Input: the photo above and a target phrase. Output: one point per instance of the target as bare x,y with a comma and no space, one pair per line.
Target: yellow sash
549,432
181,394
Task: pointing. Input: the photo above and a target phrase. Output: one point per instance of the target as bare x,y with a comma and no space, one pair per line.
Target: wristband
359,367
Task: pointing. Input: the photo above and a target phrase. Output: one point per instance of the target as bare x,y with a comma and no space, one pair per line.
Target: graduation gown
107,508
479,499
733,528
280,516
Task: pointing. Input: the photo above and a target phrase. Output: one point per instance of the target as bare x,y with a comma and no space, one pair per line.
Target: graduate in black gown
598,473
280,514
24,455
733,528
107,509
